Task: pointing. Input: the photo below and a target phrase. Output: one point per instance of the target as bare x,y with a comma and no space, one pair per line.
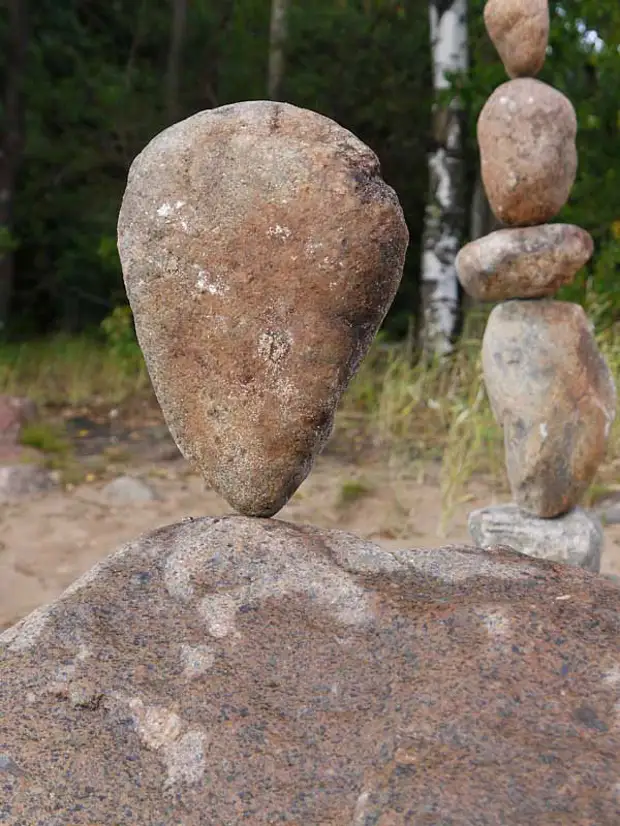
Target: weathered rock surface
574,539
237,671
528,262
18,481
127,490
553,393
261,250
519,30
528,157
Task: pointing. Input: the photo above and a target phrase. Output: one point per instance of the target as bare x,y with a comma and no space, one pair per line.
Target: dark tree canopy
98,80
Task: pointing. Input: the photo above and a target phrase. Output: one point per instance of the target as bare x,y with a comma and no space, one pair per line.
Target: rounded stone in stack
519,30
261,250
554,396
525,262
528,157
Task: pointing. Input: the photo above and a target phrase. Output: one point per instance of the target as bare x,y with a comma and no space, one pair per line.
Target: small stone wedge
261,250
250,672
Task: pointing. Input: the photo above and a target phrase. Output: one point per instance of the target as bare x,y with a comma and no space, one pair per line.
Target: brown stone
528,262
519,30
553,393
261,250
244,671
528,158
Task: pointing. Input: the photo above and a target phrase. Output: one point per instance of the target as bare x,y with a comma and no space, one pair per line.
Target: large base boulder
229,671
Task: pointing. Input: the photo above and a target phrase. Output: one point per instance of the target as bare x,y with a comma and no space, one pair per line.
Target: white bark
278,31
445,209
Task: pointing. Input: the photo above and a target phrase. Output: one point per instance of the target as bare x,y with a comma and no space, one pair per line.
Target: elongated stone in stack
548,384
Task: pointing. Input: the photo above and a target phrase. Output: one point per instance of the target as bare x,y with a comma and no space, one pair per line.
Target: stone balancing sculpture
549,386
239,670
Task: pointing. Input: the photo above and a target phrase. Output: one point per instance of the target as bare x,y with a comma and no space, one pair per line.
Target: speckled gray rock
554,396
234,671
574,539
261,250
525,262
528,155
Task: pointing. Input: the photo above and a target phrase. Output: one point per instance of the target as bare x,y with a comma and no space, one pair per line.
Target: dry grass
415,414
67,370
418,412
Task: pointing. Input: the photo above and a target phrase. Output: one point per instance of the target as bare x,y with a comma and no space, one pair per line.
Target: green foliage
94,97
596,287
95,94
352,490
120,335
47,438
8,242
367,66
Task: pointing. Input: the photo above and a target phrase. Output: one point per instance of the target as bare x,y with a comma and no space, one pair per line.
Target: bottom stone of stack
553,394
576,538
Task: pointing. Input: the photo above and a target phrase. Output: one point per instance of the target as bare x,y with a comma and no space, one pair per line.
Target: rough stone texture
553,393
126,490
261,250
519,30
17,481
237,671
574,539
15,412
528,158
528,262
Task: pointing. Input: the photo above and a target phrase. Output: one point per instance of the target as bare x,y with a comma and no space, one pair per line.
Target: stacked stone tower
549,386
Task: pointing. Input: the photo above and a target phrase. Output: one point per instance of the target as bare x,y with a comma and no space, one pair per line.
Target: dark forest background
87,83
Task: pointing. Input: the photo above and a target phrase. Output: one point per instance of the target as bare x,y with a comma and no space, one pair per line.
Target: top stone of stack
519,30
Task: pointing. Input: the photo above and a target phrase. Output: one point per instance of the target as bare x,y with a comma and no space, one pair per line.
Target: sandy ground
49,540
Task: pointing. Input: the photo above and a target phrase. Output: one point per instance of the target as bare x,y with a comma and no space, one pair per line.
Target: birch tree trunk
11,143
278,31
445,212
